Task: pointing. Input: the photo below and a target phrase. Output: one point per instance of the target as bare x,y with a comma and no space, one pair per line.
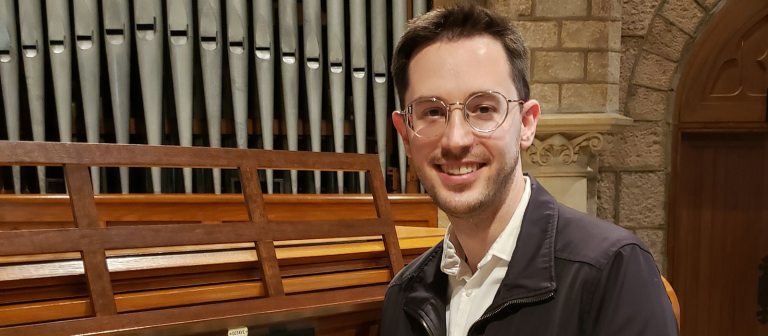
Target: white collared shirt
471,294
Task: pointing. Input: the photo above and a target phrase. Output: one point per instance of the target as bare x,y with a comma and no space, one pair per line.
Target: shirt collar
504,246
453,261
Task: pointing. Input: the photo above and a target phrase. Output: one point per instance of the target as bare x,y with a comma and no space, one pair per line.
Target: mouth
459,169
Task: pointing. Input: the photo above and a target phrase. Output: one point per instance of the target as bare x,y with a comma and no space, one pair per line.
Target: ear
399,123
529,119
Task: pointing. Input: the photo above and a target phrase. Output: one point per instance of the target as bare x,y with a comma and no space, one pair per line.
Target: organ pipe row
221,34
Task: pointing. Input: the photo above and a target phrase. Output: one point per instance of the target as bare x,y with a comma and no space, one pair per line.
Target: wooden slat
312,229
408,236
383,211
265,246
78,182
53,211
219,315
115,155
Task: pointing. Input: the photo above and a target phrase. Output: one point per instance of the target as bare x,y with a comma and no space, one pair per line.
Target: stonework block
654,71
589,98
647,104
709,4
641,200
606,196
555,66
630,46
666,40
591,34
560,8
603,66
638,146
512,8
636,16
655,240
539,34
548,96
606,8
686,14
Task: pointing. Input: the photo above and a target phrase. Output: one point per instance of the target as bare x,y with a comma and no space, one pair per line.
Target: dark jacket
570,274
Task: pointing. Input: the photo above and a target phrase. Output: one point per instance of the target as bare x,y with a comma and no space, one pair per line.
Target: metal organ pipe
31,24
263,36
60,53
148,15
379,55
359,41
313,72
289,69
399,14
9,78
117,41
209,14
180,37
237,40
336,74
87,48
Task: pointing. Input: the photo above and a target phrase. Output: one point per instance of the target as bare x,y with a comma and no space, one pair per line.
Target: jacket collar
530,273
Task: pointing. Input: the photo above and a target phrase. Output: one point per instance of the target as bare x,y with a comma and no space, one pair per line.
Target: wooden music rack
270,295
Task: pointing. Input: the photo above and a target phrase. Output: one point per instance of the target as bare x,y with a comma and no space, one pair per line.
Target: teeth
460,170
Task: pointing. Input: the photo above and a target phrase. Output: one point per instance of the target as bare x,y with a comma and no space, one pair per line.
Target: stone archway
718,142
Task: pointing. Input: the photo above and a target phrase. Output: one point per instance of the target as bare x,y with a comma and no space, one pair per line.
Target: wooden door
727,73
721,232
718,238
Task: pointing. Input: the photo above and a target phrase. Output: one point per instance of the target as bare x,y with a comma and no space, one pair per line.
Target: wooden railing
191,272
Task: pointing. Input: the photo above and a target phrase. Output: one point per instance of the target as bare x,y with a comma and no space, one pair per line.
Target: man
513,261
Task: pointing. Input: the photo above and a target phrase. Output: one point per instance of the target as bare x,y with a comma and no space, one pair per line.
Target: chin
459,204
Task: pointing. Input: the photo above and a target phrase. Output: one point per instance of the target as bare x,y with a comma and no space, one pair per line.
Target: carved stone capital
563,154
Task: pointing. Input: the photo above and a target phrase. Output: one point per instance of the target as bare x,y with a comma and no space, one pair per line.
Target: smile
461,169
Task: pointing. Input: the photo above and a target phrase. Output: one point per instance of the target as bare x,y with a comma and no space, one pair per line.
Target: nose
458,137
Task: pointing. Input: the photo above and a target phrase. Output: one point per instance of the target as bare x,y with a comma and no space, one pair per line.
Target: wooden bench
109,265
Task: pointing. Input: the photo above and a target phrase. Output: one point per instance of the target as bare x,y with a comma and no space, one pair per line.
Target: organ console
165,264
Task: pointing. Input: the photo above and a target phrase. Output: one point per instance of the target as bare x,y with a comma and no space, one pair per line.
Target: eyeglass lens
483,111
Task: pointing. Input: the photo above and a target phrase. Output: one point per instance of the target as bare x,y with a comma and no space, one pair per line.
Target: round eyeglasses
484,112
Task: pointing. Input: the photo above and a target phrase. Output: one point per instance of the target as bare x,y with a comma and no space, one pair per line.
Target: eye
429,110
432,112
483,109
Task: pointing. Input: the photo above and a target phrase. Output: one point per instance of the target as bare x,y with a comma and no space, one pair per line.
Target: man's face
466,172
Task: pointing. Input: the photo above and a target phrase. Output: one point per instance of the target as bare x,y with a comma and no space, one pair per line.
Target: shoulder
584,238
417,266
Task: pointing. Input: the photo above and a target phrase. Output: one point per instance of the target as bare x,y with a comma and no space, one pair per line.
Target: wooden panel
726,79
53,211
208,272
720,232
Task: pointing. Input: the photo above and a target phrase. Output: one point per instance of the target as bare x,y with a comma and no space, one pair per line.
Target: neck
477,232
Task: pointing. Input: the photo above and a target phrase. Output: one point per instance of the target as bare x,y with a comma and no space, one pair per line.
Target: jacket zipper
421,319
527,300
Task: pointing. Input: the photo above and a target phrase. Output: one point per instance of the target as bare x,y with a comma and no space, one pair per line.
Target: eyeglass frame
409,110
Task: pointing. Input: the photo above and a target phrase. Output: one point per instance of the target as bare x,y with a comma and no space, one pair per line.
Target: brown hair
455,23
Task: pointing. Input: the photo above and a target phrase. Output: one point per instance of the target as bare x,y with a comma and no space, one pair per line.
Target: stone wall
616,56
